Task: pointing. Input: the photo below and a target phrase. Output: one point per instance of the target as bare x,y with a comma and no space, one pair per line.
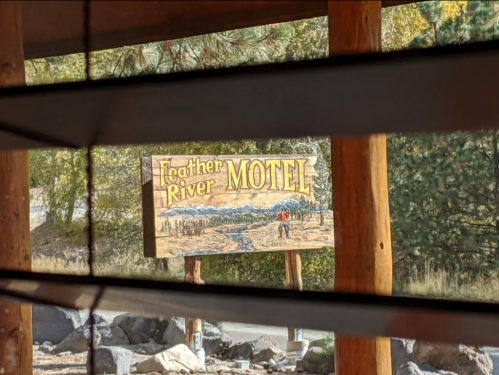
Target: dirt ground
71,364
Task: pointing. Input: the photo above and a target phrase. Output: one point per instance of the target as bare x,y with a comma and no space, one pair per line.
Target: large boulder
175,332
111,360
98,319
315,355
214,340
112,335
176,359
54,324
401,353
461,359
138,329
268,355
410,368
247,350
78,341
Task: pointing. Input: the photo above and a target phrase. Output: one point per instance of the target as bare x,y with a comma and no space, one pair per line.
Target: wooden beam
360,198
193,327
54,28
16,340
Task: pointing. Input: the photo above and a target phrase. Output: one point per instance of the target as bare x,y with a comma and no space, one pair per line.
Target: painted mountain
210,211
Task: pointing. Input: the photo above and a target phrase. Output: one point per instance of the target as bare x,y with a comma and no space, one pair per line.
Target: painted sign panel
198,205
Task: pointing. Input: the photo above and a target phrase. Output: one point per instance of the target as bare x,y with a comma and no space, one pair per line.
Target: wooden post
16,340
293,281
193,327
360,197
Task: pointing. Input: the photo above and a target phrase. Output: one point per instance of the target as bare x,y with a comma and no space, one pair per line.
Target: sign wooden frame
200,204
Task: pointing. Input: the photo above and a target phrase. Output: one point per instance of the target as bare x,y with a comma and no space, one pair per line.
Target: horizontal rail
432,90
350,314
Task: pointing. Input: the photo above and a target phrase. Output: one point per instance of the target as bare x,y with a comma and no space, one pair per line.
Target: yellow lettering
201,166
302,188
240,178
288,175
209,166
182,172
273,165
171,194
182,190
218,165
172,173
191,167
201,188
209,183
163,167
191,189
251,174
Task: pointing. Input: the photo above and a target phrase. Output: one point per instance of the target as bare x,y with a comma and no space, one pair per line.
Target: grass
430,283
443,284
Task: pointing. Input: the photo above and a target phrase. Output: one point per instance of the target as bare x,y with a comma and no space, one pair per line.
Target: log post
193,327
16,342
360,198
293,281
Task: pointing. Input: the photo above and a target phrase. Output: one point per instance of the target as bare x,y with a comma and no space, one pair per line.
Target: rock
54,324
150,348
268,354
78,341
138,329
315,368
178,358
297,346
401,353
247,350
461,359
111,360
175,332
316,355
112,336
410,368
98,319
214,340
47,343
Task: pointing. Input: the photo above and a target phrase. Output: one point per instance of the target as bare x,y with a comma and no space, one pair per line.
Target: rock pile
157,345
411,357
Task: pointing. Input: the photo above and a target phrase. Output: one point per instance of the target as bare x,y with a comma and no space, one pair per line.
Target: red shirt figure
283,216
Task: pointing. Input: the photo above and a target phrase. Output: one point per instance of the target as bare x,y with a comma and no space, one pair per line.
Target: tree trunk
496,173
363,251
72,193
16,343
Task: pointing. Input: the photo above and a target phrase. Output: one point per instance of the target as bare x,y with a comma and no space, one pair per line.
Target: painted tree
322,186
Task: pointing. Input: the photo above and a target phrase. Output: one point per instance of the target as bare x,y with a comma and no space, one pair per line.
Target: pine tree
444,188
322,186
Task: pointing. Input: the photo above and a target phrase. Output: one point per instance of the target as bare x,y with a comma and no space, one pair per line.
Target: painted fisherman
284,217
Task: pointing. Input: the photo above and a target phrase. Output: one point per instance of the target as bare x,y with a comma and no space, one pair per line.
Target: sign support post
194,327
295,343
16,341
363,248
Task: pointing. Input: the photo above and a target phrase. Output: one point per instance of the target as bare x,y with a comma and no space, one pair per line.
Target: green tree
444,188
322,186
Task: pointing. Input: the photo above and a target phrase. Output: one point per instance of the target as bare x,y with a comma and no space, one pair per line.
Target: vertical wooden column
16,342
193,326
293,281
360,197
